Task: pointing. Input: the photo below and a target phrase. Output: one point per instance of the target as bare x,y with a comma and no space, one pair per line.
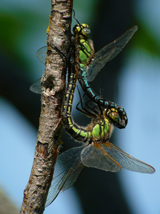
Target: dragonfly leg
92,108
75,17
83,110
65,58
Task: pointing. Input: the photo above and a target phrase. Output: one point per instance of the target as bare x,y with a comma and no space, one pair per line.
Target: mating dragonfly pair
97,151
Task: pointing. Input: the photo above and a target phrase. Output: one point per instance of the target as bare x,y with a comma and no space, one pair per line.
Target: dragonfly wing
127,161
118,44
98,64
94,155
67,169
41,54
36,87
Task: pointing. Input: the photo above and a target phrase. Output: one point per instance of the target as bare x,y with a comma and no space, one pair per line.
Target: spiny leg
92,108
83,110
65,58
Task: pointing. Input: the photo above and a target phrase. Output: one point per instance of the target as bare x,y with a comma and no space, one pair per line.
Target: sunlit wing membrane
67,169
41,54
118,44
98,64
73,175
96,157
127,161
36,87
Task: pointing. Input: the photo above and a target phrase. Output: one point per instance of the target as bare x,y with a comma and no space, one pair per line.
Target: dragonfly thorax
83,43
84,53
102,131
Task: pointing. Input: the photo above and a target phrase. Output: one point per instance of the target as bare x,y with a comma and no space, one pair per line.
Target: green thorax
84,48
102,130
85,52
100,127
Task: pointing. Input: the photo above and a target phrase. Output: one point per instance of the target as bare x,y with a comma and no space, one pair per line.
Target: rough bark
50,126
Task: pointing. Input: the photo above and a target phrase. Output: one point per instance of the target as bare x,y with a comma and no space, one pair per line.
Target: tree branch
50,126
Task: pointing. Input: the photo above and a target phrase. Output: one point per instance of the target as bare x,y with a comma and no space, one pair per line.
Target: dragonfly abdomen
77,132
100,101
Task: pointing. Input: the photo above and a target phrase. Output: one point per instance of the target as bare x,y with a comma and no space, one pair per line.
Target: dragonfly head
113,116
117,117
82,30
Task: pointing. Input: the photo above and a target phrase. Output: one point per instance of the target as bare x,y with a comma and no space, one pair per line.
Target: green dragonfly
88,63
96,152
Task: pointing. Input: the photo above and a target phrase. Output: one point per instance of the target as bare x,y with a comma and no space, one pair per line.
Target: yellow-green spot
86,46
89,134
82,65
70,100
69,121
82,56
106,126
76,130
83,134
96,131
69,109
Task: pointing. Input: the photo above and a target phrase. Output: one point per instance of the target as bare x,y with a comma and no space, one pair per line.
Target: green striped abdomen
85,56
100,101
77,132
95,131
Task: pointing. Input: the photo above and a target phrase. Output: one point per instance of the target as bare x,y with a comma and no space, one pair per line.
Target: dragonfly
96,151
88,63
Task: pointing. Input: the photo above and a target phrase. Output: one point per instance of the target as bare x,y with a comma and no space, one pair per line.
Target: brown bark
50,125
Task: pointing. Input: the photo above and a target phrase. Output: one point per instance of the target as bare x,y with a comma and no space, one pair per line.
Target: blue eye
86,32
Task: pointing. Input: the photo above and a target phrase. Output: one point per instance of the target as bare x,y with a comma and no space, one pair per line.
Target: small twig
50,126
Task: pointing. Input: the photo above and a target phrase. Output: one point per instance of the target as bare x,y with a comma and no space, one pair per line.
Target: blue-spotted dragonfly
96,152
88,63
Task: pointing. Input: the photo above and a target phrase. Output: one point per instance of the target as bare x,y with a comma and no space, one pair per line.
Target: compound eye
86,32
115,116
76,29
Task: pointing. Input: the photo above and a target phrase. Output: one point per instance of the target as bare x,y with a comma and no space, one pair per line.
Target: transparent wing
99,61
41,54
98,64
67,169
36,87
127,161
94,155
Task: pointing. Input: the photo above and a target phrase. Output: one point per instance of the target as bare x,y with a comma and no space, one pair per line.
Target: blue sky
141,78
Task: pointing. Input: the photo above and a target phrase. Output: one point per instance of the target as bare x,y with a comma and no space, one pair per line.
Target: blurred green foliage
19,24
146,39
16,27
